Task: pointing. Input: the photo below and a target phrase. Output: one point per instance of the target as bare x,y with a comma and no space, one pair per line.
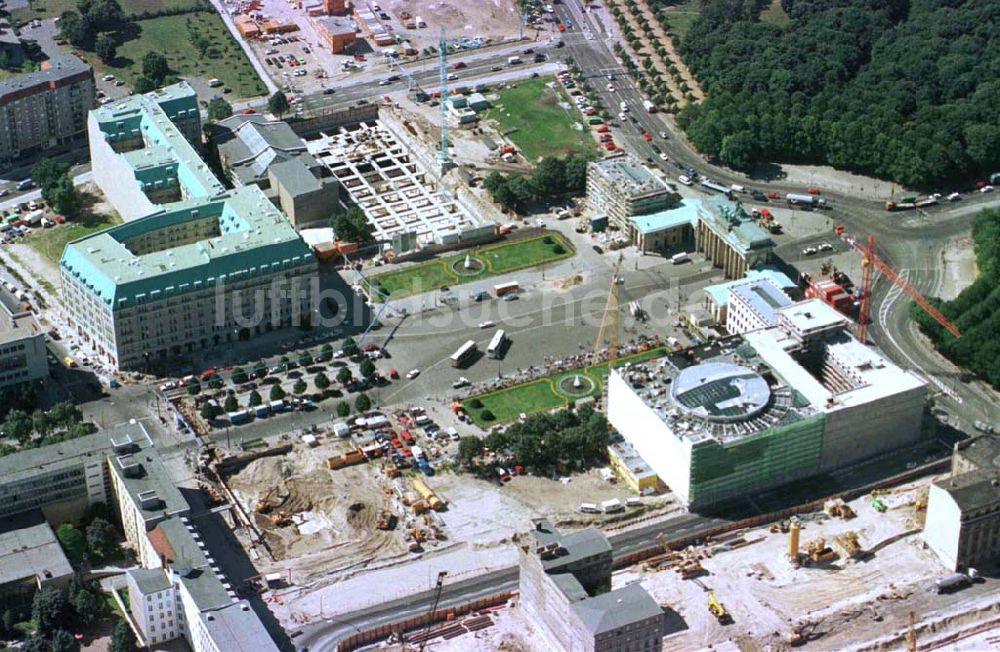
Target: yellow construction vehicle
281,519
818,552
717,610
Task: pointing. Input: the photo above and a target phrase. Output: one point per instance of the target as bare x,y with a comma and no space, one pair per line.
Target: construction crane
870,262
610,320
440,579
443,79
717,610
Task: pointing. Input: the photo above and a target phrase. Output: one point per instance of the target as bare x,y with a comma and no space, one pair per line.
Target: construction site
855,575
407,204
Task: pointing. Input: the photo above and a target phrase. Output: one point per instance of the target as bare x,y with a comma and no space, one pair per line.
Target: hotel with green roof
195,265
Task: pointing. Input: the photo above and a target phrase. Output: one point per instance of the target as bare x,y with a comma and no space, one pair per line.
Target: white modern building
754,305
751,412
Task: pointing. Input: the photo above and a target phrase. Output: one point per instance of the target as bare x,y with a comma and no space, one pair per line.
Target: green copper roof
232,233
254,238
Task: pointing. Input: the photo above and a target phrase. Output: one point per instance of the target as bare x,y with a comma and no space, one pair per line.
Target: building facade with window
195,266
47,108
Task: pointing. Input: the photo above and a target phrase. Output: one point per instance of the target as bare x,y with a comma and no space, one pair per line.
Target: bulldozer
386,520
848,544
818,552
717,610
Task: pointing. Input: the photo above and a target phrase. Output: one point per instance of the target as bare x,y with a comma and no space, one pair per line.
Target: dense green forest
976,310
907,90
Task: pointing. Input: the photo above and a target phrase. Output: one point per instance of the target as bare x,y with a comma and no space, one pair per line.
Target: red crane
869,262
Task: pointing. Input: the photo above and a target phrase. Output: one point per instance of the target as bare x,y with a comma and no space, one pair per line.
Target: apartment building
195,266
565,582
180,591
22,344
45,109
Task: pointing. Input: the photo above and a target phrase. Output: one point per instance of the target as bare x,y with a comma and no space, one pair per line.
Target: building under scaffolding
754,411
404,202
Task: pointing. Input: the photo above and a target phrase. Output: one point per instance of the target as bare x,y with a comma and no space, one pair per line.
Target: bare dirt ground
958,263
488,514
493,19
333,513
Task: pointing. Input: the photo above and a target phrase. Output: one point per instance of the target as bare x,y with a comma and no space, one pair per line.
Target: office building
60,479
565,592
751,412
716,301
963,510
23,356
45,109
622,188
255,150
754,304
195,266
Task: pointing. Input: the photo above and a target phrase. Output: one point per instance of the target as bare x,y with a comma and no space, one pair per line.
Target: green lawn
497,259
51,242
542,394
775,14
171,36
52,8
531,116
681,17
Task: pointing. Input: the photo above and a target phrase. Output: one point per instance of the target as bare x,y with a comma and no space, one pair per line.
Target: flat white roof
812,315
877,376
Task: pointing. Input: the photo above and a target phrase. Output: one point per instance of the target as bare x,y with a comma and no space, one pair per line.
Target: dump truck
427,494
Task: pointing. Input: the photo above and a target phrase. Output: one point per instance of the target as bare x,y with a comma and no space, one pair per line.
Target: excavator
717,610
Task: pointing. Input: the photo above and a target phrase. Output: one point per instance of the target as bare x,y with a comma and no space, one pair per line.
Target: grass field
51,242
171,36
775,14
543,394
530,115
52,8
681,17
497,259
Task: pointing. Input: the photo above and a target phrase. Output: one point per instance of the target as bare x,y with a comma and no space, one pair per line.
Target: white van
612,506
682,257
214,83
589,508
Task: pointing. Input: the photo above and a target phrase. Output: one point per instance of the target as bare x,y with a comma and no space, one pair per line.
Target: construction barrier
354,641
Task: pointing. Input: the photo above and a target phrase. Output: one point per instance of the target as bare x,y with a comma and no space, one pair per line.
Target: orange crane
869,263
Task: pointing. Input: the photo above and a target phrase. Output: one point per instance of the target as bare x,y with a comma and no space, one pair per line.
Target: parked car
412,373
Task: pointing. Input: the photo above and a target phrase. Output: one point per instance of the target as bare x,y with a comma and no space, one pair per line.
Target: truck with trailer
811,201
239,417
718,187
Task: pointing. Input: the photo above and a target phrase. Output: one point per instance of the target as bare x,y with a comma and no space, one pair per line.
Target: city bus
462,355
506,288
496,344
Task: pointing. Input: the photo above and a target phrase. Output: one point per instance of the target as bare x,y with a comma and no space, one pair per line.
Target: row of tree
552,179
890,88
566,441
976,310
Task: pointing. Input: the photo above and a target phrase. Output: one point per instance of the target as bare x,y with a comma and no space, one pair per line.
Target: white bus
462,355
496,344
